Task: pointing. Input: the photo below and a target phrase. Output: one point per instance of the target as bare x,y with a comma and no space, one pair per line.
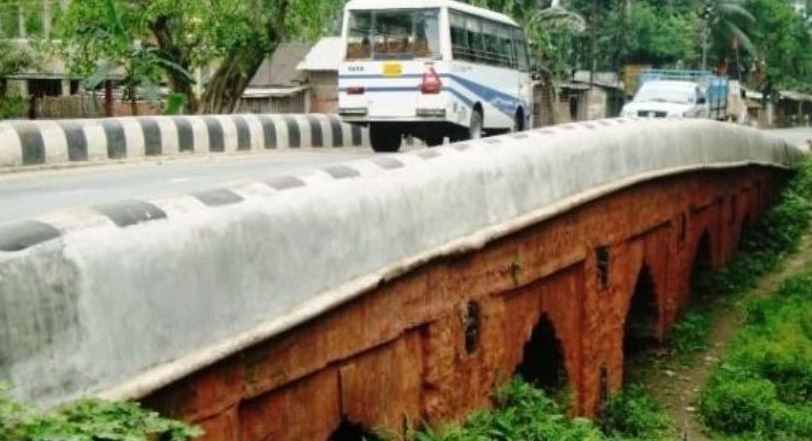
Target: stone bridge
389,292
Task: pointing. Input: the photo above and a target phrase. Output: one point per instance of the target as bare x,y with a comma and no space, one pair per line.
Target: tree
229,38
725,18
783,43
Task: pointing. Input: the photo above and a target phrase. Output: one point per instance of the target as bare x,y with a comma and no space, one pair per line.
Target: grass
763,388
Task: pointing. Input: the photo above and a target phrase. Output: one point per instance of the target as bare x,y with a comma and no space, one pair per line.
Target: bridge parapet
127,298
32,144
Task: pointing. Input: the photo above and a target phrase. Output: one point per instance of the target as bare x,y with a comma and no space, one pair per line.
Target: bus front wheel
384,138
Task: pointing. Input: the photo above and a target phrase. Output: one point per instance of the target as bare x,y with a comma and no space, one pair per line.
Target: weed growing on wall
88,420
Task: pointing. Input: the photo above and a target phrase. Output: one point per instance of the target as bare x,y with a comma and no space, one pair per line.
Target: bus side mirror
701,100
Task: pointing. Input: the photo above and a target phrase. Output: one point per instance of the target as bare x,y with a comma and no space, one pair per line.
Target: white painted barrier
125,298
69,142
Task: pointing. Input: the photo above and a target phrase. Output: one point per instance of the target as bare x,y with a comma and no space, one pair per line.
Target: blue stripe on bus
502,101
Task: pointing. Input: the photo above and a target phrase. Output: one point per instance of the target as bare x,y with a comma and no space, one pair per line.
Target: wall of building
399,355
323,91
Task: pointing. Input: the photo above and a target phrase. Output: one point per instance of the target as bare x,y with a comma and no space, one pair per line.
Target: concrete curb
59,143
125,298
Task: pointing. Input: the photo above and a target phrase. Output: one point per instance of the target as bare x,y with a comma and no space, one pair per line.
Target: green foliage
783,40
88,420
690,335
659,35
763,389
766,246
525,413
633,414
174,104
173,37
12,107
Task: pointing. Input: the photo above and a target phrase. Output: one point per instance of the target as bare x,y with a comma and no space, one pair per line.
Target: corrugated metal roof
280,69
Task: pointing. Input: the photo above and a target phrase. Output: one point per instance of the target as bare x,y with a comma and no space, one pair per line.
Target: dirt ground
676,384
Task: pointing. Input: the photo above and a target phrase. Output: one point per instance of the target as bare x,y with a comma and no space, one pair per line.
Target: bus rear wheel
384,138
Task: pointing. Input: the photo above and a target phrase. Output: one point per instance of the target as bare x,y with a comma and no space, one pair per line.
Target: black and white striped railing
65,142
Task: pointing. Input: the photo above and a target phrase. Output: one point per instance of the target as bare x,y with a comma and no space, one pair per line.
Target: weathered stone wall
398,356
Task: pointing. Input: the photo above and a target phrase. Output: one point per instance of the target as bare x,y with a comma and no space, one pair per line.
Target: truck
680,93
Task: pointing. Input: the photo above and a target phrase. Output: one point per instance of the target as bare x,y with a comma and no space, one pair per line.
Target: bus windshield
393,34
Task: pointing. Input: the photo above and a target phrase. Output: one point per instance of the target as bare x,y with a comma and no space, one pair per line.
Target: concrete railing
25,144
125,298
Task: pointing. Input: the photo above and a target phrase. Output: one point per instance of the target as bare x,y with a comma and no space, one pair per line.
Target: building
278,87
321,69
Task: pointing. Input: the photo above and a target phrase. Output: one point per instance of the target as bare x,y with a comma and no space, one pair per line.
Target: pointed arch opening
349,431
642,318
701,267
543,362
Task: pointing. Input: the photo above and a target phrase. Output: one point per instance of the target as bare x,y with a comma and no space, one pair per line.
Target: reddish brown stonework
399,357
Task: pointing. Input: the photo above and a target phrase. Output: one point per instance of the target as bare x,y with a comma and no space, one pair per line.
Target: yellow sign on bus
392,69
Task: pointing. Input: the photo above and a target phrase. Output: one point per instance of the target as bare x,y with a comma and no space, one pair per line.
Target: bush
13,106
88,420
734,405
691,334
632,413
525,413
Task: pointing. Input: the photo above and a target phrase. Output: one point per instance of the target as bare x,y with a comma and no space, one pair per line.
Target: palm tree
723,15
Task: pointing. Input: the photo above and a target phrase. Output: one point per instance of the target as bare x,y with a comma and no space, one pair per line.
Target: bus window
358,47
520,42
490,32
507,58
427,34
392,35
475,43
459,37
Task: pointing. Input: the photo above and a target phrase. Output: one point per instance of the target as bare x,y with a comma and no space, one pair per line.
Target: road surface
29,194
25,195
799,136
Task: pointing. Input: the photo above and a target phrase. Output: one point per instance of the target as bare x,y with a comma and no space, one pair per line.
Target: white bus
432,69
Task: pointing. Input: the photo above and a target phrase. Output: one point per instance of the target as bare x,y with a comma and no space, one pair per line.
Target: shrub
88,420
691,333
525,413
735,405
632,413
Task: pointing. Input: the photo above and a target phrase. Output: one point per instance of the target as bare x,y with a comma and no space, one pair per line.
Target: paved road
29,194
799,136
25,195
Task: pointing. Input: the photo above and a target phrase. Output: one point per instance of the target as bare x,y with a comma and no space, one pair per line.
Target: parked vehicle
432,69
691,94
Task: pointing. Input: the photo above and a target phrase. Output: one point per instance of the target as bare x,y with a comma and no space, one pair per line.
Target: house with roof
278,87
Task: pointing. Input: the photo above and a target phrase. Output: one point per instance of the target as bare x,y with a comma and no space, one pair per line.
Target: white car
662,99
